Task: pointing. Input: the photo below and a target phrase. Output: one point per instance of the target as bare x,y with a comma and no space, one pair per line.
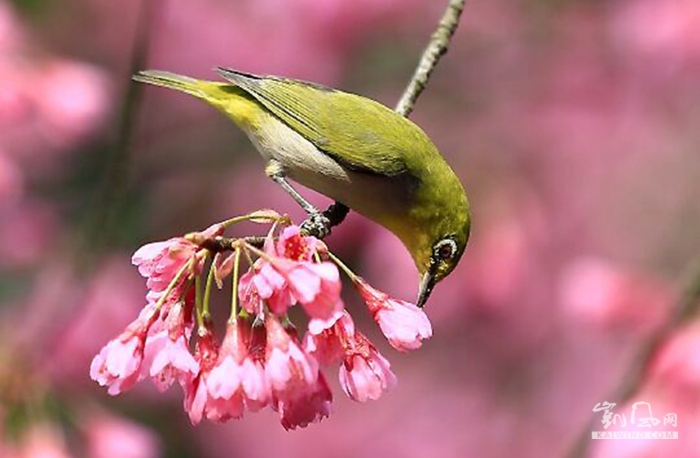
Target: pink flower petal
288,367
366,378
171,360
311,407
402,323
117,365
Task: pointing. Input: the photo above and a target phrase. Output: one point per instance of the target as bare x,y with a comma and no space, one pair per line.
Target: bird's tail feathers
172,81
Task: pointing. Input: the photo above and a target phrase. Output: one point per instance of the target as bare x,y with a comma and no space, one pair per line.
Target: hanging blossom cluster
261,360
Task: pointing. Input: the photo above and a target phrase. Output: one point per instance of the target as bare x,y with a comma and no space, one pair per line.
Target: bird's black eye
445,252
445,249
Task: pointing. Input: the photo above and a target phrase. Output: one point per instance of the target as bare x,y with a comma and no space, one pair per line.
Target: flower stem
234,288
207,294
259,215
198,301
176,279
342,265
258,252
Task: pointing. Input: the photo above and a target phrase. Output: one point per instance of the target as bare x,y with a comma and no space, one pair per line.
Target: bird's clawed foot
317,224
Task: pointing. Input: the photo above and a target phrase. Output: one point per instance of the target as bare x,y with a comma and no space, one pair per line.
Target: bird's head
438,258
437,234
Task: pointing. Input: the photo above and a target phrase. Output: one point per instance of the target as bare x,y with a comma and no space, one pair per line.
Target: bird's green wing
358,132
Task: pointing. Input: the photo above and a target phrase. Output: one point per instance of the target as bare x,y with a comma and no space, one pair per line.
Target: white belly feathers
275,140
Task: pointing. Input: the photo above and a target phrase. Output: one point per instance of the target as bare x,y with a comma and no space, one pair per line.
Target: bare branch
436,48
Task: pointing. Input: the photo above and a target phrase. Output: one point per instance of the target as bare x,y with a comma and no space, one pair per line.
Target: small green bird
352,149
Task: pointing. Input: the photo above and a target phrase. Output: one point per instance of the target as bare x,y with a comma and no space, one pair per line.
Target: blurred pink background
574,126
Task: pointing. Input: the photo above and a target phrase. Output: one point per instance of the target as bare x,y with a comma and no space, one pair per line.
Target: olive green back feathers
348,127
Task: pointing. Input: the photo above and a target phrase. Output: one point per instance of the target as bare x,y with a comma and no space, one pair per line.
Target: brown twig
684,310
220,244
436,48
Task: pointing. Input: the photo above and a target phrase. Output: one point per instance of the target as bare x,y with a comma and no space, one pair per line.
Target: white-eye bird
352,149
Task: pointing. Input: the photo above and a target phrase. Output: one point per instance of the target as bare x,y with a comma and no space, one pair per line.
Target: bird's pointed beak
427,283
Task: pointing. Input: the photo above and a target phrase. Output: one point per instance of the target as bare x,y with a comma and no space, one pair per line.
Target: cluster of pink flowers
261,361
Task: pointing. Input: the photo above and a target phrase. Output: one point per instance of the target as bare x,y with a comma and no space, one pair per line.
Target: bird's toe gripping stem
319,224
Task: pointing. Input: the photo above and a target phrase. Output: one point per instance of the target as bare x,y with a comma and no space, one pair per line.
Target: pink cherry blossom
170,360
315,285
198,402
238,379
317,288
292,245
117,365
311,407
166,355
328,346
364,374
288,367
301,394
260,365
404,324
288,275
265,283
201,404
159,262
119,362
269,280
249,296
366,377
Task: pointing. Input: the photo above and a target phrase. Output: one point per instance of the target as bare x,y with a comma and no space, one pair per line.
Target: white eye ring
445,249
